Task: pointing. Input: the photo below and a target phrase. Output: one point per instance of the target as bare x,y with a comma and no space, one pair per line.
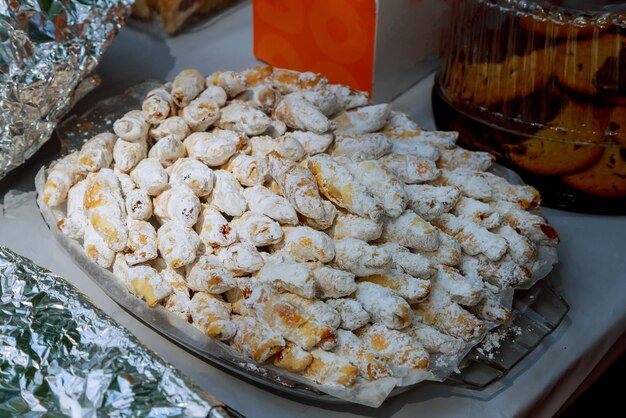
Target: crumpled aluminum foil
48,51
61,356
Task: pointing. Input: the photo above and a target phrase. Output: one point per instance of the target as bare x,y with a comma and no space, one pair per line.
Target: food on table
352,246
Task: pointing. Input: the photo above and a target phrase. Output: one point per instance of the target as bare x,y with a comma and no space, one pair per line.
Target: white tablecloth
591,276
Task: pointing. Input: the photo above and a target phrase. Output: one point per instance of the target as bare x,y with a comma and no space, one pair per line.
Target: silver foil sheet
61,356
48,51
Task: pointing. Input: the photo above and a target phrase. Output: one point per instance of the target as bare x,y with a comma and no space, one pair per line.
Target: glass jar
542,86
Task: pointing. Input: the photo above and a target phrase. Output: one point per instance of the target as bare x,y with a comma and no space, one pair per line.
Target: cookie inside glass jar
541,85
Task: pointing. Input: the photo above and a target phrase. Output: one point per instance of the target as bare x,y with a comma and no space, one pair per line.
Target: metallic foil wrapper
61,356
48,51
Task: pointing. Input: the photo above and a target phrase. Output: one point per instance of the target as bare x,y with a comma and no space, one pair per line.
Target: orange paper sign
332,37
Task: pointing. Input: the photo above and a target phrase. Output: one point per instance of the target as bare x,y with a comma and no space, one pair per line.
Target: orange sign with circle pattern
333,37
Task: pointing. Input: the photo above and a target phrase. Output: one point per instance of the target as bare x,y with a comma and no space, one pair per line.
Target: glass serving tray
536,311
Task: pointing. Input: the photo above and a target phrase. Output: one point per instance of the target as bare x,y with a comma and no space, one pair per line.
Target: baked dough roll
465,289
323,99
353,349
411,263
126,183
353,316
243,118
333,283
240,259
259,74
158,105
413,290
186,86
522,250
249,296
255,339
529,224
285,145
363,120
168,150
306,244
440,312
489,307
138,205
227,194
192,173
97,153
299,114
382,184
150,176
360,258
105,208
132,127
328,368
214,148
471,183
419,149
525,196
361,147
213,228
257,229
383,305
174,126
502,273
315,311
431,201
261,96
231,82
406,139
142,242
290,321
206,274
473,238
277,128
454,158
340,187
200,113
61,176
262,200
400,122
211,315
179,301
96,249
348,225
348,98
311,142
127,155
410,169
298,186
177,244
248,170
293,358
74,224
142,281
326,222
288,81
401,352
179,203
449,251
476,211
411,231
215,94
288,276
435,341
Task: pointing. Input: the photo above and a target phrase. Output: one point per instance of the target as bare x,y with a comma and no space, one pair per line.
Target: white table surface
591,275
